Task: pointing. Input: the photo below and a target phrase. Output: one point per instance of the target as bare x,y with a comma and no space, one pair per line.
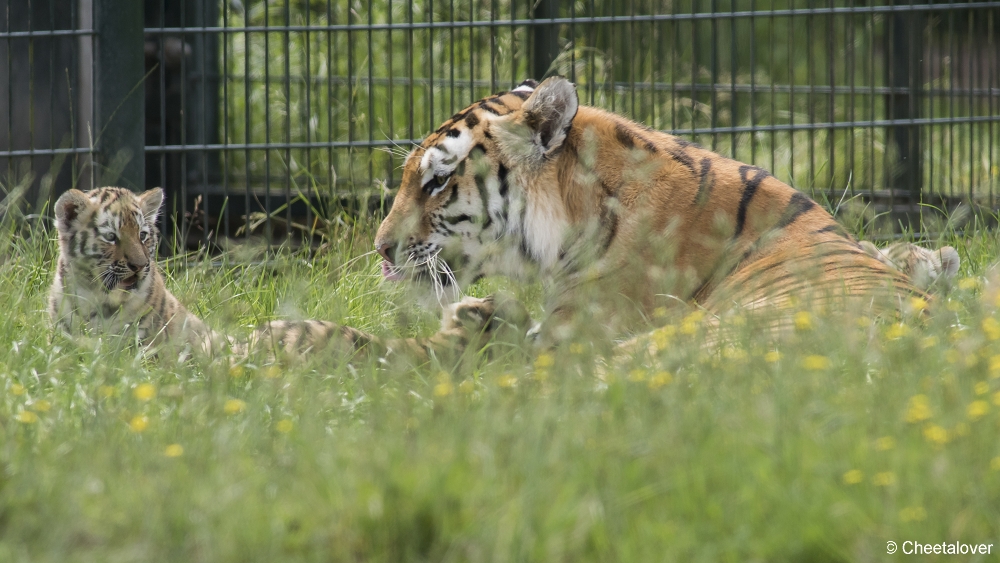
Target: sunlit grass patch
843,432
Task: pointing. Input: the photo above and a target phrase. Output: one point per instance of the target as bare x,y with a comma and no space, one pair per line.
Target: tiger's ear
68,207
549,112
150,202
949,262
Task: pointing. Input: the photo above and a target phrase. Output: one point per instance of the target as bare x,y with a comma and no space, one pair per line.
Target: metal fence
260,118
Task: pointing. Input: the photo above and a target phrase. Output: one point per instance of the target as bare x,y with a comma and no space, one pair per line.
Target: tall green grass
821,447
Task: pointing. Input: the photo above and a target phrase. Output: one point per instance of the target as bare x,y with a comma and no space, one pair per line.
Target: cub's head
926,268
108,236
460,210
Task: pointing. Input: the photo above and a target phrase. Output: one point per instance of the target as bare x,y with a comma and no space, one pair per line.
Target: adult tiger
617,218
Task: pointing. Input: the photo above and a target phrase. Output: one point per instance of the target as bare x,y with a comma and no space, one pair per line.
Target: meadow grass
842,437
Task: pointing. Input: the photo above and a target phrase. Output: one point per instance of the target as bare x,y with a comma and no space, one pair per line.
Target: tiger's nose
135,267
387,250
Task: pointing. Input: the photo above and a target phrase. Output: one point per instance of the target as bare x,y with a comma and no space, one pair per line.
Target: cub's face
459,213
108,236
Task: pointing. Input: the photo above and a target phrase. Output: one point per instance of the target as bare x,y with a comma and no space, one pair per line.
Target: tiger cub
107,280
926,268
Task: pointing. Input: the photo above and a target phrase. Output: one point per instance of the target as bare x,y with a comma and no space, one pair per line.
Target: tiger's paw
497,319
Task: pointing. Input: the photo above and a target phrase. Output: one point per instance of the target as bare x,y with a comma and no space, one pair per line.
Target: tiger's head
473,196
108,236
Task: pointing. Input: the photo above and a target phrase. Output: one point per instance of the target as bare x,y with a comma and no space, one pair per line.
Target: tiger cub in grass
107,282
926,268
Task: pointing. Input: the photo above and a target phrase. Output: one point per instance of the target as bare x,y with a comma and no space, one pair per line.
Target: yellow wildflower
237,371
284,426
995,366
897,331
853,477
660,379
690,323
17,389
918,303
27,417
138,423
234,406
272,372
991,328
174,450
968,284
935,434
953,306
884,479
444,386
995,463
929,342
106,391
772,356
982,388
864,322
466,387
144,392
816,362
885,443
507,381
919,409
659,312
576,348
662,336
803,320
41,406
912,514
544,361
978,409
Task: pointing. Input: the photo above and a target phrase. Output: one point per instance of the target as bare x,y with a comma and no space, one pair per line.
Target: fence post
119,101
903,103
545,39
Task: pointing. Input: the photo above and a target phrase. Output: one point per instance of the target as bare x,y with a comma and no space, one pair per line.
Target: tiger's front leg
471,325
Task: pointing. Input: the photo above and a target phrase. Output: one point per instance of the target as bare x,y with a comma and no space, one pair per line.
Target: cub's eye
441,179
143,236
110,238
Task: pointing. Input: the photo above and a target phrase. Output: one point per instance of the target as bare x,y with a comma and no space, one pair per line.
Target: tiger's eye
110,238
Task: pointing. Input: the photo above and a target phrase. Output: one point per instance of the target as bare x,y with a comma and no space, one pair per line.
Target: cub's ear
150,202
68,207
549,112
949,262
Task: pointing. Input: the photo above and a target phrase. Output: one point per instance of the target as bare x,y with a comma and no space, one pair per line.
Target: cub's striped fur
470,324
926,268
618,219
107,280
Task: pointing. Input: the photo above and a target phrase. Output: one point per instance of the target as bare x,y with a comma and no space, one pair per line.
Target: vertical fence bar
545,38
904,80
119,106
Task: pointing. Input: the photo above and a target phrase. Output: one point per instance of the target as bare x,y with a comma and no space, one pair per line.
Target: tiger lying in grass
107,282
618,220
